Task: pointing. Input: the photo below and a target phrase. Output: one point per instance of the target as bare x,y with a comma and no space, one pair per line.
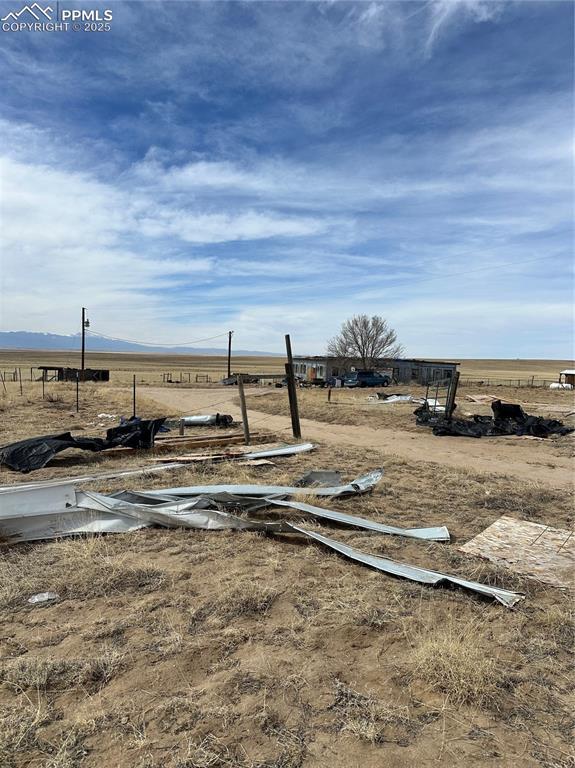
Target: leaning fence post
292,394
329,394
244,409
450,401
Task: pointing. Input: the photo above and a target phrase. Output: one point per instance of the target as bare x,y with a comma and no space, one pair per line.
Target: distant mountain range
95,343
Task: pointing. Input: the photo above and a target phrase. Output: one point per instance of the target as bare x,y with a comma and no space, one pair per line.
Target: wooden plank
178,444
217,436
530,549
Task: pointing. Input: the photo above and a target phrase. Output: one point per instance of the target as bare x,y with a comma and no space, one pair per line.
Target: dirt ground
198,649
349,419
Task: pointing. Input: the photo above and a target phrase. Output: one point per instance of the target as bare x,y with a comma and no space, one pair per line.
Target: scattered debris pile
36,452
52,510
507,419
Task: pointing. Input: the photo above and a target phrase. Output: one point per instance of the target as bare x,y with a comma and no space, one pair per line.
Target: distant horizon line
271,354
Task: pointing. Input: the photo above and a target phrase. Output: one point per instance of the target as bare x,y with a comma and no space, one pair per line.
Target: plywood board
530,549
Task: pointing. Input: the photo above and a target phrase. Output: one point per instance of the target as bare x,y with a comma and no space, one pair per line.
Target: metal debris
319,477
411,572
439,533
54,510
360,485
91,478
43,597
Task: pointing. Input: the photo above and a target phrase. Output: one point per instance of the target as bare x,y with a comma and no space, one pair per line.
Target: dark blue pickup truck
367,379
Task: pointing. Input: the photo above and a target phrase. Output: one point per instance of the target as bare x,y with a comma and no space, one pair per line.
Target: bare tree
368,338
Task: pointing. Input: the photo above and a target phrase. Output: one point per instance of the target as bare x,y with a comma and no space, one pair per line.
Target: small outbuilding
567,377
56,373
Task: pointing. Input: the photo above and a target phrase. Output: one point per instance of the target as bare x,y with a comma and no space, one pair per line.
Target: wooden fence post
292,393
244,409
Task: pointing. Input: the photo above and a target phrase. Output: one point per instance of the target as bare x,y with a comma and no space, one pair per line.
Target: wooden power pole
230,334
85,324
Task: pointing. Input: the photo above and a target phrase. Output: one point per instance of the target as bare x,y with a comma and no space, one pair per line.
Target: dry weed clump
211,752
19,730
248,600
557,622
528,502
365,716
61,674
81,568
453,663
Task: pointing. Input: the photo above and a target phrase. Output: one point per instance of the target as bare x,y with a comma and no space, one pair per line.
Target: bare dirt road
528,460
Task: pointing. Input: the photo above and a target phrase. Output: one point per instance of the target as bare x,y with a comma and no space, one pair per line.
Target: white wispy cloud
321,160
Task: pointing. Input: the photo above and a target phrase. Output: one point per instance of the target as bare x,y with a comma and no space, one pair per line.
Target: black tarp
507,419
36,452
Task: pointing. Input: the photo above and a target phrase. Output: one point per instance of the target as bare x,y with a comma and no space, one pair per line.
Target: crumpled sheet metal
412,572
167,509
362,484
190,514
284,450
69,522
96,513
24,501
250,504
439,533
321,477
91,478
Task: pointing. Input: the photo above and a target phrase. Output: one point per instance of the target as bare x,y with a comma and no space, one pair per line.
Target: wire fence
490,381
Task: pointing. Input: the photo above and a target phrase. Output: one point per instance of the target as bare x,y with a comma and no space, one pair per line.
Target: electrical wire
156,344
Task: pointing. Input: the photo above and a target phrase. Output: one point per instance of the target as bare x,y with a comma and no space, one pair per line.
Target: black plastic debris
134,433
36,452
507,419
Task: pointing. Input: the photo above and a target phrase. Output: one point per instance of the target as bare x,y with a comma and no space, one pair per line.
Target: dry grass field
199,649
352,406
150,367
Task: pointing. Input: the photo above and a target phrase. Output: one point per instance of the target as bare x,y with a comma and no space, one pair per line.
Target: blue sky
275,167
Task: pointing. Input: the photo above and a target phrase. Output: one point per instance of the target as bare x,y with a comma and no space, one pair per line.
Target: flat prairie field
182,648
151,368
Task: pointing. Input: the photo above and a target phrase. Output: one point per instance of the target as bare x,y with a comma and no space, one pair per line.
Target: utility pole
85,324
230,334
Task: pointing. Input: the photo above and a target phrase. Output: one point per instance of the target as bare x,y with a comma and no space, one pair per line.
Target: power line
157,344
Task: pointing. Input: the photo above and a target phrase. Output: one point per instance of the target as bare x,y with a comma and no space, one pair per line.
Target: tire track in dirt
527,460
